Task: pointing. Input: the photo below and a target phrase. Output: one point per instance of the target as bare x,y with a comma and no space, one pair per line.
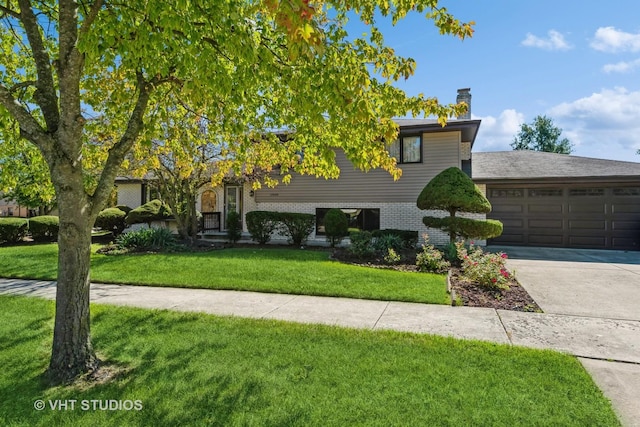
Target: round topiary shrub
44,228
151,211
336,226
13,230
113,220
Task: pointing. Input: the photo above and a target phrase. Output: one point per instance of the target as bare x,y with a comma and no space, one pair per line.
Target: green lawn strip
293,271
196,369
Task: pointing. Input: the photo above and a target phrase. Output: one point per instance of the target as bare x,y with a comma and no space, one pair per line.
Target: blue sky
577,62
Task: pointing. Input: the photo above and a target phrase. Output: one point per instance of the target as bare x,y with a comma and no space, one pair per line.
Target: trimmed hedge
409,237
261,224
234,226
466,227
151,211
336,226
13,230
113,220
44,228
296,226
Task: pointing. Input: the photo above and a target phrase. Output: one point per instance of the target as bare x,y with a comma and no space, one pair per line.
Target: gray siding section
439,151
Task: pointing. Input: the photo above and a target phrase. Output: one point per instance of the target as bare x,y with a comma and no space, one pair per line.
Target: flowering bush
486,269
431,259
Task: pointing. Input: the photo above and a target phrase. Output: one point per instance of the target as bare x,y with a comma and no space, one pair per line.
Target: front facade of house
373,200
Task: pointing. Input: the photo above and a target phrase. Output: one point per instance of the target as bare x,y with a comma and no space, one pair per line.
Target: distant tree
453,191
541,135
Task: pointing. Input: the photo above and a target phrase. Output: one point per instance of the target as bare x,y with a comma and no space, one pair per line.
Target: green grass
196,369
294,271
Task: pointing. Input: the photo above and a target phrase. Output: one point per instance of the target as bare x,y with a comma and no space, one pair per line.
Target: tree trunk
72,352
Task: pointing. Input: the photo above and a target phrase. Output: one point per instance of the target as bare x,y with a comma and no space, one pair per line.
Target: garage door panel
626,208
545,239
588,224
512,223
510,239
538,208
580,207
588,241
507,208
553,224
624,242
625,225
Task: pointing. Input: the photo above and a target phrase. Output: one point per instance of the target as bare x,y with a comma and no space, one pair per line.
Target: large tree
541,135
79,79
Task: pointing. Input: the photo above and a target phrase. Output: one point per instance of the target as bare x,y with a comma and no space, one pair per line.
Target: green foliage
361,244
391,257
485,269
541,135
336,226
233,226
148,239
13,230
384,242
296,226
453,191
112,219
124,208
261,225
466,228
44,228
409,237
431,260
153,210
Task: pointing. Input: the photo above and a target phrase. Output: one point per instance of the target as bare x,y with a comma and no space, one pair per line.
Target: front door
232,201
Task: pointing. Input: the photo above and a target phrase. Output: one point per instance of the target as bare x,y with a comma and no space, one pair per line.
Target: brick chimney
464,95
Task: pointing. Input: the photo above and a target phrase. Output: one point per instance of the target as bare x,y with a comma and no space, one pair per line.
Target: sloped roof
526,164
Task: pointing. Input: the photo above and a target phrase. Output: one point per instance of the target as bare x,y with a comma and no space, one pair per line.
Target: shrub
361,244
485,269
261,225
336,226
148,239
13,230
296,226
44,228
124,208
409,237
431,260
234,226
466,227
112,219
391,257
383,243
151,211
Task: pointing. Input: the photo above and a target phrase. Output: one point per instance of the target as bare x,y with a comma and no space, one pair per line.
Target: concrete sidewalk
595,340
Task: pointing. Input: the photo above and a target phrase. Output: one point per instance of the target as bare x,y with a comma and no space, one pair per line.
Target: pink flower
494,280
504,256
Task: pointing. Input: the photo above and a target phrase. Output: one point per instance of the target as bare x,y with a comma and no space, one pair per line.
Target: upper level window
407,149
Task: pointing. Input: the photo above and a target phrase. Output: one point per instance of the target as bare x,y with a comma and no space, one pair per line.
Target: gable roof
527,164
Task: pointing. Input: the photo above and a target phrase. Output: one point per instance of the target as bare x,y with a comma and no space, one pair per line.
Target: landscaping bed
465,293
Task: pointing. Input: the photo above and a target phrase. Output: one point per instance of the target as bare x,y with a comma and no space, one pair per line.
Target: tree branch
45,94
30,129
9,12
91,16
120,149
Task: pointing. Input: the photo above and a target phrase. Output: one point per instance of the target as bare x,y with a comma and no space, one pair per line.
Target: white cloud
496,134
604,124
621,67
554,41
610,39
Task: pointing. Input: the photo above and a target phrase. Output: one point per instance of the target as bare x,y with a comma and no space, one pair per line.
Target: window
545,192
586,192
359,219
407,149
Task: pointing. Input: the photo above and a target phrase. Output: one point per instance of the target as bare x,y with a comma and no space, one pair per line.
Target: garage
556,200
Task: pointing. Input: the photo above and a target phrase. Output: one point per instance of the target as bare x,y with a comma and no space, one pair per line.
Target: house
11,208
549,199
373,200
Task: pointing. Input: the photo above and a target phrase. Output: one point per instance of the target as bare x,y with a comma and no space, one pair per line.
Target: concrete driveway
594,284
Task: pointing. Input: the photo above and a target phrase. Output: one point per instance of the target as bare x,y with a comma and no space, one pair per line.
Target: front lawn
293,271
195,369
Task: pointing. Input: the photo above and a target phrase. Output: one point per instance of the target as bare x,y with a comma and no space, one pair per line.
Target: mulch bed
516,298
